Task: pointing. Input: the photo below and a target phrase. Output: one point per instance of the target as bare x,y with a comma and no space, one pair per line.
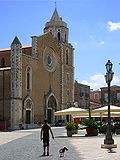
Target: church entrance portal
51,109
28,112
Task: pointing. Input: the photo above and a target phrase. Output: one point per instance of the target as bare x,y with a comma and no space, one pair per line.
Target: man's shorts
45,143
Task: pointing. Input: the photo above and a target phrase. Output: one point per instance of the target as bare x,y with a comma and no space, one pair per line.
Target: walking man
45,136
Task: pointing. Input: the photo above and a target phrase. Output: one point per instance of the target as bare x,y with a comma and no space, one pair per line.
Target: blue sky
94,31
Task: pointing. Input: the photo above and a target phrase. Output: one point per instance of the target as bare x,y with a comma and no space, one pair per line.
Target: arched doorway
28,114
52,105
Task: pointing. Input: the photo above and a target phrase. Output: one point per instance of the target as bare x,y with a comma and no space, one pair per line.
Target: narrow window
118,96
28,78
96,96
2,62
50,31
65,37
68,92
59,36
68,77
67,57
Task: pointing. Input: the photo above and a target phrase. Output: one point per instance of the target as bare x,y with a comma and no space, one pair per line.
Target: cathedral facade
37,80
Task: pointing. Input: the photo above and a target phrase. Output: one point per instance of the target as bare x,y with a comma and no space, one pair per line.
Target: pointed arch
51,107
28,110
51,95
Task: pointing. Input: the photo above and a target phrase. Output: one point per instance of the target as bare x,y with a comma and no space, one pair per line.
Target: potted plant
91,127
70,126
117,128
76,128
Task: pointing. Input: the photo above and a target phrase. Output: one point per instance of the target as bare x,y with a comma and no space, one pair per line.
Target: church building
37,80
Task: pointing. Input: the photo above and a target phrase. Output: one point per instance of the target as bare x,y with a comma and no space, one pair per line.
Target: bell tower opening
59,35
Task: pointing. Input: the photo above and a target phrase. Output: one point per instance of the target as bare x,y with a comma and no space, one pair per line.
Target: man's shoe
43,154
48,154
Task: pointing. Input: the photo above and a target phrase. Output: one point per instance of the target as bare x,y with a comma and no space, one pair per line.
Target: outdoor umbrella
105,108
112,114
71,111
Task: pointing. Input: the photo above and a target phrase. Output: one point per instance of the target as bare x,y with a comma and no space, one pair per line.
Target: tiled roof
8,49
5,68
5,49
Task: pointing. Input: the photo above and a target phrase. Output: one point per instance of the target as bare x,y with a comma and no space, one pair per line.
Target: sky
94,32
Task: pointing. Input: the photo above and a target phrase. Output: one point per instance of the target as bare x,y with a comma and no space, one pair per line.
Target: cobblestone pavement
26,145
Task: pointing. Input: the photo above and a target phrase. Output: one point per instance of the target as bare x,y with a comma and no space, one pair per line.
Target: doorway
51,109
28,115
49,115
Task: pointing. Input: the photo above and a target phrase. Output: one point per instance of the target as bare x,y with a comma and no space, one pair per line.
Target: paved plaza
26,145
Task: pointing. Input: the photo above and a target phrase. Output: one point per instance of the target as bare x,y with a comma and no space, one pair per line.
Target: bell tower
59,30
57,27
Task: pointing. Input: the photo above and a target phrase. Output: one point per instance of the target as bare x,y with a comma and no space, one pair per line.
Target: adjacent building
95,99
82,95
115,95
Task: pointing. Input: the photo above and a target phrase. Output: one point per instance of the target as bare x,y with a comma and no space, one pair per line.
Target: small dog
62,151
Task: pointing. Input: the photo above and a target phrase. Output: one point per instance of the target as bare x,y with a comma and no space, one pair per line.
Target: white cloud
113,26
116,80
97,81
101,43
95,40
75,43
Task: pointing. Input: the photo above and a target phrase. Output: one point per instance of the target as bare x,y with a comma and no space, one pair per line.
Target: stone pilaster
34,46
16,83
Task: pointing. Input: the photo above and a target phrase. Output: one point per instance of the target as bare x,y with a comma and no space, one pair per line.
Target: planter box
91,132
69,133
117,131
76,131
2,125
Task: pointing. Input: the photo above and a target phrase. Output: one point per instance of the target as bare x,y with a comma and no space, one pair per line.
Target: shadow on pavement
69,137
110,150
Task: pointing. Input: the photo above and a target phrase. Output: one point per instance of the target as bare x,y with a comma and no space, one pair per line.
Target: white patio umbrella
71,111
105,109
101,112
112,114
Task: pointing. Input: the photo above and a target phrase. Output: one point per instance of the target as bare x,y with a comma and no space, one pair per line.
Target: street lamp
108,77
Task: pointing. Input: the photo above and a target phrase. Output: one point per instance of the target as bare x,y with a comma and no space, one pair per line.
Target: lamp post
108,77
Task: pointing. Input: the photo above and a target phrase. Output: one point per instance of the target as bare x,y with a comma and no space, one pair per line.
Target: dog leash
55,140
